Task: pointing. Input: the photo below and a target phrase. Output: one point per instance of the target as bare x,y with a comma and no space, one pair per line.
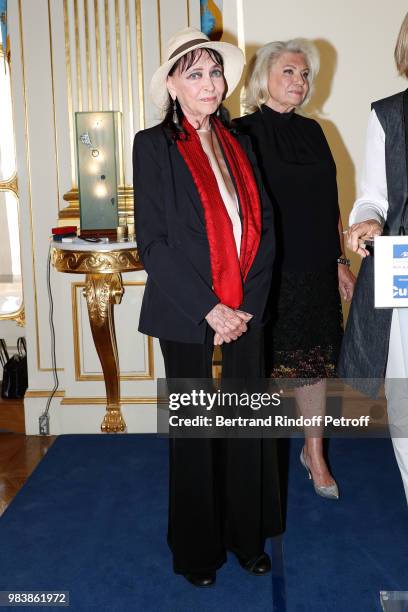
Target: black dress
299,173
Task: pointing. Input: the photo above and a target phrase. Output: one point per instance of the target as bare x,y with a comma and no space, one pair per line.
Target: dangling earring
218,113
175,115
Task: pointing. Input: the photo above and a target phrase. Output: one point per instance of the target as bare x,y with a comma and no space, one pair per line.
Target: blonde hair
401,48
256,92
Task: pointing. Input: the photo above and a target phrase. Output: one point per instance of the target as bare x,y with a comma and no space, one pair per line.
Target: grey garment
364,352
391,116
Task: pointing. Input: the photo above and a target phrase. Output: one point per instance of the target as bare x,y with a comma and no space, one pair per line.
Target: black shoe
259,565
201,579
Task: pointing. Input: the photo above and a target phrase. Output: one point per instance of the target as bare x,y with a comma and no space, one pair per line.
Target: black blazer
173,245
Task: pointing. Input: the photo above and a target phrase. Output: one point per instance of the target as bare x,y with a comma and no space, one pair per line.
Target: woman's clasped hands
227,323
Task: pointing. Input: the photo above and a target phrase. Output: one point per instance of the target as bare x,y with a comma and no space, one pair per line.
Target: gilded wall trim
69,85
53,103
77,56
99,400
95,262
10,185
140,71
18,316
159,31
91,101
102,400
98,55
43,393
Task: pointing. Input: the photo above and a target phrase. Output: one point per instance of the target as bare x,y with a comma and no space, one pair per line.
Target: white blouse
373,200
212,149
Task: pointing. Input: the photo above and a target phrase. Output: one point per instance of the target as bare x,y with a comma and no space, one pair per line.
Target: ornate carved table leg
102,291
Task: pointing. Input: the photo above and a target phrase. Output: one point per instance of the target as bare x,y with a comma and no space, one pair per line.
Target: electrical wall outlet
44,423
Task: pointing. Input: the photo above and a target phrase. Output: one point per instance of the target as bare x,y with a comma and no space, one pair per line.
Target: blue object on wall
3,23
211,18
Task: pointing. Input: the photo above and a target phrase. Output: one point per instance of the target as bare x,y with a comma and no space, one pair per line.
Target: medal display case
100,169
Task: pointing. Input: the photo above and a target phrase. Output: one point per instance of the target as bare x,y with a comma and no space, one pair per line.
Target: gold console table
103,265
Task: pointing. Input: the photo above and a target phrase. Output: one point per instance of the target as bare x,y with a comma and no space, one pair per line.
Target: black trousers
224,493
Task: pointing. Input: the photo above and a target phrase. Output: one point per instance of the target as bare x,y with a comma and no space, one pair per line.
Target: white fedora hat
185,41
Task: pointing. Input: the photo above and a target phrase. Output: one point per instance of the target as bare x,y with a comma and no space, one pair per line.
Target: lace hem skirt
304,337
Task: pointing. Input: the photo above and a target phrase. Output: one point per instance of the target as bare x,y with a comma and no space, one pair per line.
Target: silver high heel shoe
330,492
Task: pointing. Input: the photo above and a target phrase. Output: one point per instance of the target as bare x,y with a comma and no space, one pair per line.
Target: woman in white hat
205,237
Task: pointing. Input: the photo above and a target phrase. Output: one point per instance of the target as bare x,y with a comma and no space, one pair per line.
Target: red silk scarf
228,271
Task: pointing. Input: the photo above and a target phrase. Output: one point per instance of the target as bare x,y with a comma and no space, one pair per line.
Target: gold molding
98,53
53,105
129,72
10,185
102,400
43,393
188,13
159,31
88,58
95,262
78,57
108,55
79,376
18,316
69,85
140,69
69,401
118,55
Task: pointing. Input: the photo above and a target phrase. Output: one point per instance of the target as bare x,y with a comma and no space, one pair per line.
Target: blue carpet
92,520
339,555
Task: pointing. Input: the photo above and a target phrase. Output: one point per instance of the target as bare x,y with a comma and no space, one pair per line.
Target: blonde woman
300,176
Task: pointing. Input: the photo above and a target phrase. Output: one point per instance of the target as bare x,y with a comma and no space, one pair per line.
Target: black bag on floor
4,356
15,379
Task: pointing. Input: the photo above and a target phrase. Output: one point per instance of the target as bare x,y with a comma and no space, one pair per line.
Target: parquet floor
19,455
12,415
